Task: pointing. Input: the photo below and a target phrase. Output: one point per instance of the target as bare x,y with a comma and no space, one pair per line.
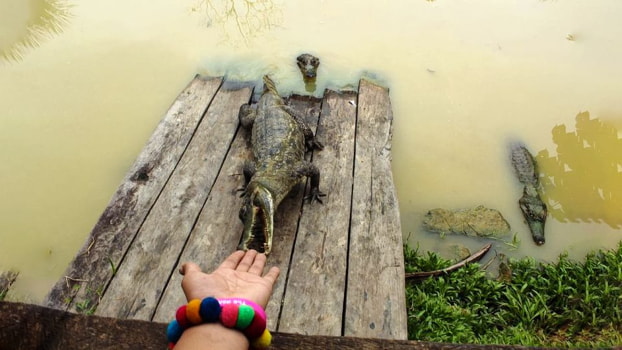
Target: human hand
239,276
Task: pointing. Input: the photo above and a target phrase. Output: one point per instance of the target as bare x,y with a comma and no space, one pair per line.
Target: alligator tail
269,85
524,165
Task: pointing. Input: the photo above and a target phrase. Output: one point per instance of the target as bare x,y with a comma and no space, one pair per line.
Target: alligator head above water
308,64
279,140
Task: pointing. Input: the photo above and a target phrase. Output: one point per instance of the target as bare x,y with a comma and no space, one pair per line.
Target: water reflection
243,18
27,23
583,181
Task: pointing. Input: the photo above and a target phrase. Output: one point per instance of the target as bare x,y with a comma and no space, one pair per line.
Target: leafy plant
567,303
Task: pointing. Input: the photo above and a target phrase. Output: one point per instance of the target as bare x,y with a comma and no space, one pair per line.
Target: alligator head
534,210
257,214
308,66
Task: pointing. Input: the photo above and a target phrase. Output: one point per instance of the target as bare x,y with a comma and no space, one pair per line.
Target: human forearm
211,336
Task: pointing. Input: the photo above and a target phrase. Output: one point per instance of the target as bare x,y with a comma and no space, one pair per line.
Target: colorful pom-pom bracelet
241,314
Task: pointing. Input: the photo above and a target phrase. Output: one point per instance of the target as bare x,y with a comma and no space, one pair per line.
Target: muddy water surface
83,85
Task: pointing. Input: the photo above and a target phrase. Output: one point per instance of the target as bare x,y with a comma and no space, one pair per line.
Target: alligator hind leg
312,172
247,115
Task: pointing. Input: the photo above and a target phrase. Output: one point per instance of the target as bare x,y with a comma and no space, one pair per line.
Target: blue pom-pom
210,310
174,331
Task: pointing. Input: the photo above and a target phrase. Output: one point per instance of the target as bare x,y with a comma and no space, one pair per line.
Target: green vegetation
565,304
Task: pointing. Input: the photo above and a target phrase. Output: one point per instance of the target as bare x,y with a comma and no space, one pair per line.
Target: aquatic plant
46,18
567,303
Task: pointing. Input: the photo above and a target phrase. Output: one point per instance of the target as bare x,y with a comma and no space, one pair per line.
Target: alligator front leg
310,141
312,172
248,170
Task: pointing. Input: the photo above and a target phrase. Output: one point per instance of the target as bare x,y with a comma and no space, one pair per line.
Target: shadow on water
583,182
28,23
240,19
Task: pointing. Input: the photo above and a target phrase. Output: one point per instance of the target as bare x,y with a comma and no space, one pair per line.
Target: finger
258,265
232,261
247,261
272,275
189,267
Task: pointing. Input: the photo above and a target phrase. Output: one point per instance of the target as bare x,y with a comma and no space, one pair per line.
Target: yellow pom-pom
263,341
192,311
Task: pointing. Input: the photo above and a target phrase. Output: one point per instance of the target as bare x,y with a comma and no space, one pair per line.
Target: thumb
189,267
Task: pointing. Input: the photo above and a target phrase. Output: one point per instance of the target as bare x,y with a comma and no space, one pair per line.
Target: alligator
308,64
533,208
279,140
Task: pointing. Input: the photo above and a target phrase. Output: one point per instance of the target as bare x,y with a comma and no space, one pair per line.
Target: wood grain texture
218,229
90,271
314,294
26,327
288,214
7,278
375,301
141,278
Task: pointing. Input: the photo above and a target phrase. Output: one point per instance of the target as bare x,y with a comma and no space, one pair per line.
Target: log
25,326
474,257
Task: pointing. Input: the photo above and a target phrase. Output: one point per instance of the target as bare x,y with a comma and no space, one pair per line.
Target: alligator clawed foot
315,195
242,191
314,144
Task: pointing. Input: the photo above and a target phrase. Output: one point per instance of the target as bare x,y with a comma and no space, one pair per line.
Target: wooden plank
376,305
26,326
7,278
288,215
90,271
140,280
313,301
218,229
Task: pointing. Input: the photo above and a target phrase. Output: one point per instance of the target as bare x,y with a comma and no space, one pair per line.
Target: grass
564,304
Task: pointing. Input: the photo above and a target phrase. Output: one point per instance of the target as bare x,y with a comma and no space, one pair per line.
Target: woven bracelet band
241,314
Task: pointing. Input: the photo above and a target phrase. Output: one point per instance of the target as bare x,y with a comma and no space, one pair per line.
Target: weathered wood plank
24,326
140,280
376,304
90,271
7,278
218,229
313,301
288,215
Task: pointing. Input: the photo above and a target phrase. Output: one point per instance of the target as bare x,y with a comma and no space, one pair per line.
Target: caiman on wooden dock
342,267
279,140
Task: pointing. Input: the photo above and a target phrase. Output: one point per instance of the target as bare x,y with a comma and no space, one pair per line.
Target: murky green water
83,84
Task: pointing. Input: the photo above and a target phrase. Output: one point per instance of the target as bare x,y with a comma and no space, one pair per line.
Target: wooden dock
342,267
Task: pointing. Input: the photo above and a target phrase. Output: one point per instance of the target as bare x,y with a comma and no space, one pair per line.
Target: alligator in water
279,140
533,208
308,64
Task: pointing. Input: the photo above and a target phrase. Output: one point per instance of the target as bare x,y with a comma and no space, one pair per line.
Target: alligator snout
308,64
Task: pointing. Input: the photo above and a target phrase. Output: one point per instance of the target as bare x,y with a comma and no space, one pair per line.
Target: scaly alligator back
533,208
524,165
279,141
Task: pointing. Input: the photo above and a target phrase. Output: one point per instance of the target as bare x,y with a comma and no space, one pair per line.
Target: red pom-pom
180,316
229,315
256,328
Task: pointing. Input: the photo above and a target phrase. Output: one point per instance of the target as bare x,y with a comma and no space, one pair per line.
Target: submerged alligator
533,208
308,64
279,140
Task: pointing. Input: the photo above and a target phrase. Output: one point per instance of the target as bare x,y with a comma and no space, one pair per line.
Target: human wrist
215,334
242,315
